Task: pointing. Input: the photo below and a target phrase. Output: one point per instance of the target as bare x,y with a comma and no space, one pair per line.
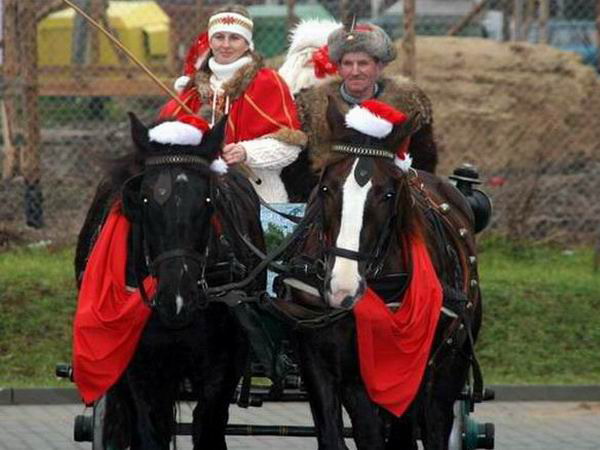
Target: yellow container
142,27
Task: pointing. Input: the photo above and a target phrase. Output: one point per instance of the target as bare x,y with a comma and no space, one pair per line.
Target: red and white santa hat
377,119
186,130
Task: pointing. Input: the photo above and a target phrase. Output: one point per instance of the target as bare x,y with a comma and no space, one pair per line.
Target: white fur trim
311,33
403,164
175,133
181,83
363,120
219,166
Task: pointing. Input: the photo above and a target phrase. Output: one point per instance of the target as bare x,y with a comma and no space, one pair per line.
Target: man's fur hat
366,38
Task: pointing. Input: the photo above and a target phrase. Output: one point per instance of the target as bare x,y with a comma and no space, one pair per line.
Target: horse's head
170,206
366,203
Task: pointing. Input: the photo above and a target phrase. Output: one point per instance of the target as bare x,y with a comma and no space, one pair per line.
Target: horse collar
363,172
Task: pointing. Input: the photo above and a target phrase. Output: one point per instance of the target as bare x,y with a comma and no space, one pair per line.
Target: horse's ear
139,132
335,118
214,139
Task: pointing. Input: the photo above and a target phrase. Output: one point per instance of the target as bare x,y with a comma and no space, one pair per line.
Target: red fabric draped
109,319
394,347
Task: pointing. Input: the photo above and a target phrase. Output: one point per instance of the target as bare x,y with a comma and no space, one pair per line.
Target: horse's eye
389,195
324,189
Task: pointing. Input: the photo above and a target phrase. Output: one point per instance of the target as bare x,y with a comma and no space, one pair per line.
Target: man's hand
234,153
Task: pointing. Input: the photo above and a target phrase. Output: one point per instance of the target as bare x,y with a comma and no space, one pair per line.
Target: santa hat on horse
188,130
377,119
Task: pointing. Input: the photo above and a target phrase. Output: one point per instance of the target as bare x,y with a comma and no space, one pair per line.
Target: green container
270,25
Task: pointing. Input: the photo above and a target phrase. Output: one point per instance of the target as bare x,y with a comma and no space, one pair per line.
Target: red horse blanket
394,347
109,319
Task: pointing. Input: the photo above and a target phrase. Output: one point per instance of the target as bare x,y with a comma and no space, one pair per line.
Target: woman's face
227,47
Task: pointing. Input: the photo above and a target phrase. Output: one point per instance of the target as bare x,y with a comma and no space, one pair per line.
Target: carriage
267,317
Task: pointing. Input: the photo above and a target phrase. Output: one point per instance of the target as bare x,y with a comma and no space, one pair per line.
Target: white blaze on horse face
179,303
345,279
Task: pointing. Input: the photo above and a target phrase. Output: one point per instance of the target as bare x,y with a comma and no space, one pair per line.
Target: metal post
408,40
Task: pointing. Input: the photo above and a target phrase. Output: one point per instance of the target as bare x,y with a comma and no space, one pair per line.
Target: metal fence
525,114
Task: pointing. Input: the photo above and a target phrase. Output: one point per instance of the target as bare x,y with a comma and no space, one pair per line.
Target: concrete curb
504,393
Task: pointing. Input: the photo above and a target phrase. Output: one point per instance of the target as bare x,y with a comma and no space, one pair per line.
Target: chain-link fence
525,114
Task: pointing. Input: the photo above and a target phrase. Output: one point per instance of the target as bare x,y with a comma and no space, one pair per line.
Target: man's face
360,72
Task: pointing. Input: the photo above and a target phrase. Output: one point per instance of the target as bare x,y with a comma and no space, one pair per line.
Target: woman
263,130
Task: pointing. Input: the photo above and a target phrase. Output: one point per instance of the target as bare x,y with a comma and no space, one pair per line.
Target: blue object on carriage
277,227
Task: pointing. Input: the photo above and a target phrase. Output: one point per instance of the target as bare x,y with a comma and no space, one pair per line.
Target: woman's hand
234,153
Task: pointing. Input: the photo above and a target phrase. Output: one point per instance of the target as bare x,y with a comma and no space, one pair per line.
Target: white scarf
221,73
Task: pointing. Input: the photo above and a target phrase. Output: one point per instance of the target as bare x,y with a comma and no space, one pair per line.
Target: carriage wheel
90,428
98,424
455,441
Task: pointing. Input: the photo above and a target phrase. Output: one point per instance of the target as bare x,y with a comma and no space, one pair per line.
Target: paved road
519,426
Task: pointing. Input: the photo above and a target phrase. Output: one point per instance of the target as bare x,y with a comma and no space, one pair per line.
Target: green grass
541,316
37,302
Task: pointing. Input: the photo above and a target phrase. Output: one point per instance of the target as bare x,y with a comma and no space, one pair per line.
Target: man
361,56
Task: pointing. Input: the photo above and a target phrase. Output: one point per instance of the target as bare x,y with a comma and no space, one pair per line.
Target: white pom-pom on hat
181,83
219,166
403,161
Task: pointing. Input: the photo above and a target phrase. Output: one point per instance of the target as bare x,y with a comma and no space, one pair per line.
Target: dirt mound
496,103
525,114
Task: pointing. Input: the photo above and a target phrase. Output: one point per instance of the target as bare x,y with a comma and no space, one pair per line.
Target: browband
176,159
362,151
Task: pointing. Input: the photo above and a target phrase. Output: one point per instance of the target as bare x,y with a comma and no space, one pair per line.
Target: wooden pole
291,15
518,20
10,69
30,157
345,13
544,16
408,40
477,8
528,18
598,33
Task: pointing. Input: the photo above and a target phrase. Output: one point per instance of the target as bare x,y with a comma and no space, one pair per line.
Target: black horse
369,209
188,224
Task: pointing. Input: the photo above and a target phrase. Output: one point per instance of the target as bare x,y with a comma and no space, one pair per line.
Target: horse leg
323,397
438,419
216,376
119,416
402,434
368,426
154,380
